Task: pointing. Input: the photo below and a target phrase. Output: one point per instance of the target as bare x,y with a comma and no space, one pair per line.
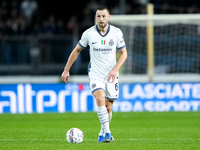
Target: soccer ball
74,135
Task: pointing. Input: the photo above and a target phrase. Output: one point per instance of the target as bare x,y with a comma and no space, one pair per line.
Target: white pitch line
32,139
189,139
163,139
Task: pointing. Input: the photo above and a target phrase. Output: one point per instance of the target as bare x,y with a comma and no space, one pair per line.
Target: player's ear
109,16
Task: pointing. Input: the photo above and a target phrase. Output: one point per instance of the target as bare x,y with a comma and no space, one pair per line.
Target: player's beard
104,25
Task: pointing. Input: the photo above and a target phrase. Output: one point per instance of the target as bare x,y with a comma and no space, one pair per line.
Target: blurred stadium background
36,38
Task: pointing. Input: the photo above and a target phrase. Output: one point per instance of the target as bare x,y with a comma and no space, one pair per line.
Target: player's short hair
103,7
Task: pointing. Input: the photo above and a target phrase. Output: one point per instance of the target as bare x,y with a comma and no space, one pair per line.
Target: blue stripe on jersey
111,99
100,32
98,89
81,45
121,47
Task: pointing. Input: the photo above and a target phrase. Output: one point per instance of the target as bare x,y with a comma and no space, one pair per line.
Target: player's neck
103,31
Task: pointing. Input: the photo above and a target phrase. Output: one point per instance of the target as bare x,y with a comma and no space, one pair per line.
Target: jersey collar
100,32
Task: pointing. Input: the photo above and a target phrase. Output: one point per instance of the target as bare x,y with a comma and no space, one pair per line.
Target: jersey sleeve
83,42
120,42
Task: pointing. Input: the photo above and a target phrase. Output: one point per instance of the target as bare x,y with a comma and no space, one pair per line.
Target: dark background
62,9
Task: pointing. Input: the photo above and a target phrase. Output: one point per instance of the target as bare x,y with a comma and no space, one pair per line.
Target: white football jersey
102,49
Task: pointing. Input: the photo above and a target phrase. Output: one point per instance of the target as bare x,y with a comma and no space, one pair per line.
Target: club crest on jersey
93,85
111,42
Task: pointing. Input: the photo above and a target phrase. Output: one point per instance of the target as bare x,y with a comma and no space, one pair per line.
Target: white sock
103,117
110,116
102,131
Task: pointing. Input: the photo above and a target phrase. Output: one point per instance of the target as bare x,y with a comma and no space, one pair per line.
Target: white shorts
111,89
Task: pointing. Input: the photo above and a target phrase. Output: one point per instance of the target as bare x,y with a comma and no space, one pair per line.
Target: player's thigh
98,90
100,97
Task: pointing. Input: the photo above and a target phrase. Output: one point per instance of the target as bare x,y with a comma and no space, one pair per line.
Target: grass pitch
132,131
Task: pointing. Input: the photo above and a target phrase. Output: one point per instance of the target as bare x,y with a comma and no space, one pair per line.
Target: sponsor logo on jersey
111,42
94,42
122,39
102,49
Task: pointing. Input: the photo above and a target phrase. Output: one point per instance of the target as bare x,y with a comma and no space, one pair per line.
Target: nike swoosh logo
94,42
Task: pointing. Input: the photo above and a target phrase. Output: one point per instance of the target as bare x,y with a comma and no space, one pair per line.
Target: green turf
134,131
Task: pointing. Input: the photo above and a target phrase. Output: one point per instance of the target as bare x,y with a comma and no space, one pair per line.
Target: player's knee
100,100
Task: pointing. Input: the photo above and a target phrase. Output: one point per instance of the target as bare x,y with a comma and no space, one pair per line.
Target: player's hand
112,75
65,76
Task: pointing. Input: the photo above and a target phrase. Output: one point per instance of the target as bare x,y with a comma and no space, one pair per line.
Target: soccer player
104,41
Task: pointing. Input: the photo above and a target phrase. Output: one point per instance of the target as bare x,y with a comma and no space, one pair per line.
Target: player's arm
112,74
73,56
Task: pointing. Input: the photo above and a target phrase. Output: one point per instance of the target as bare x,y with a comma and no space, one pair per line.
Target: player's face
102,17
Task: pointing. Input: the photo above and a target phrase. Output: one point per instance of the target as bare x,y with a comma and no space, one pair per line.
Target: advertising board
73,97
